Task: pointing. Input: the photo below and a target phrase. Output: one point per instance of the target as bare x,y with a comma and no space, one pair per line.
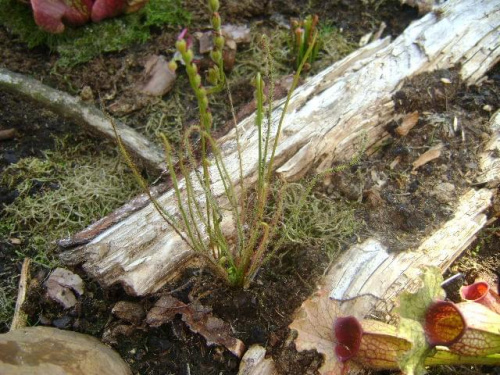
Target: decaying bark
328,118
91,118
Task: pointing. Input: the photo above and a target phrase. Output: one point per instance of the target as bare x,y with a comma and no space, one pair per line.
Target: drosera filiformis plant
237,253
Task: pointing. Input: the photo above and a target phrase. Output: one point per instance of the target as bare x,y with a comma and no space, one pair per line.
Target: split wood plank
328,117
86,115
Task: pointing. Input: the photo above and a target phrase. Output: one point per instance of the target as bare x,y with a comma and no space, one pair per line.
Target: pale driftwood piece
20,319
115,217
254,362
370,275
489,162
327,116
88,116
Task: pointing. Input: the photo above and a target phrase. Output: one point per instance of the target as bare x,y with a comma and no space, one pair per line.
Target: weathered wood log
86,115
328,114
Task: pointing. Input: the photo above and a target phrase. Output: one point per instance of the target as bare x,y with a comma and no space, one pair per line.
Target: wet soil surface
395,201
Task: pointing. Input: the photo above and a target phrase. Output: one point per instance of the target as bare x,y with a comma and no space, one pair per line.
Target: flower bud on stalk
216,22
214,5
219,42
172,65
181,46
216,55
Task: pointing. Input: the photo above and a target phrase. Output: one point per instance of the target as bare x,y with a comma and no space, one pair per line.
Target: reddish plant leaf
468,329
482,333
52,15
371,343
314,325
348,334
103,9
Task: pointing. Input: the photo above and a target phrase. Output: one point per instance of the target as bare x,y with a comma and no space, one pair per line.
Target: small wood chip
20,318
158,78
240,34
7,134
431,154
409,121
395,162
15,241
206,42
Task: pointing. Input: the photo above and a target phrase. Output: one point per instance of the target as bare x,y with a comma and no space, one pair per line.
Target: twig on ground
19,319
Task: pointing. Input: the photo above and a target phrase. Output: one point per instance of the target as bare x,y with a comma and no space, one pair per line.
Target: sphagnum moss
75,184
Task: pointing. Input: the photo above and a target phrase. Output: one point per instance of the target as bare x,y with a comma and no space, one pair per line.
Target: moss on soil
78,45
77,183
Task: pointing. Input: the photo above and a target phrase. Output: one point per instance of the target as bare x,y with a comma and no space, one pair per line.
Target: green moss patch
317,221
78,45
73,186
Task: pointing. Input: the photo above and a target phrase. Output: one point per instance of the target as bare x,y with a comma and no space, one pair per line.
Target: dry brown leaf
199,320
429,155
314,326
214,330
409,121
60,284
164,311
158,78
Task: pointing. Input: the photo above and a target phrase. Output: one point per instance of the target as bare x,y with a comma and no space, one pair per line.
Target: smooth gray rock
45,350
